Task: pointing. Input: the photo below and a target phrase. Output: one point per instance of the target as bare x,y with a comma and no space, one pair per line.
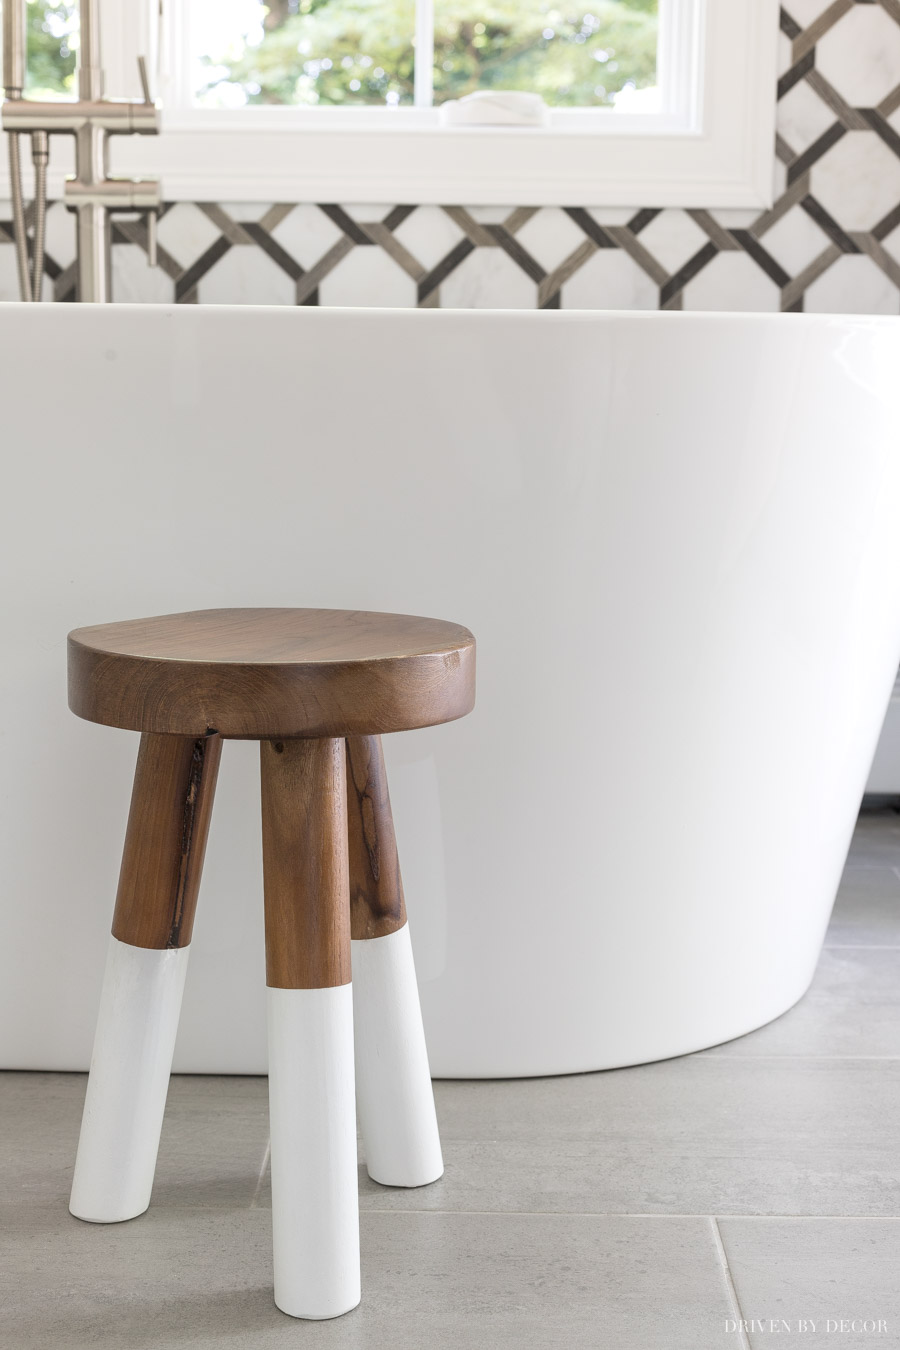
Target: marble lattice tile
860,55
429,234
795,240
853,285
732,281
857,180
610,280
488,279
803,116
368,276
246,276
672,237
550,236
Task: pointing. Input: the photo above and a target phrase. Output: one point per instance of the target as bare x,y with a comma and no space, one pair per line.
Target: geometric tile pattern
830,241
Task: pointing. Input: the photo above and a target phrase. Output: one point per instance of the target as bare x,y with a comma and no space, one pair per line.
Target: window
652,102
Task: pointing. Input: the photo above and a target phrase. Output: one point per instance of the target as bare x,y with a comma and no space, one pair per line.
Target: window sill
496,165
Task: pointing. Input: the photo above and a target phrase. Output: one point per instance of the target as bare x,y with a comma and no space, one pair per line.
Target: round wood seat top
261,673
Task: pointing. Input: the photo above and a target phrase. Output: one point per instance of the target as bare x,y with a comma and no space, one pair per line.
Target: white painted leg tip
126,1092
401,1142
84,1216
406,1181
316,1316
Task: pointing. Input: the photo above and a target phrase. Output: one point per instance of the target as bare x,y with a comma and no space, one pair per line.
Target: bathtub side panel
675,539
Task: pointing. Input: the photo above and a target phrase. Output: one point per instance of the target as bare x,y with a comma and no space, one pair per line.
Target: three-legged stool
316,688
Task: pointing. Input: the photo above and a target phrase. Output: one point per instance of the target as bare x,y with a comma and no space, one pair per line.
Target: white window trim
711,146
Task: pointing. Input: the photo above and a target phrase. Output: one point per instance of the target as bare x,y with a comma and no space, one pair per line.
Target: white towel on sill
495,108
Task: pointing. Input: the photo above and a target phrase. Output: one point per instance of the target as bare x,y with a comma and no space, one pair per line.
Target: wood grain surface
263,673
376,890
165,842
304,826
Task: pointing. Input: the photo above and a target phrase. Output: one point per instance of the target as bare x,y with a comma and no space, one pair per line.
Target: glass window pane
331,53
52,30
590,54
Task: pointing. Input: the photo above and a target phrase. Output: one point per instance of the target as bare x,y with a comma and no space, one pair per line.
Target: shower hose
30,278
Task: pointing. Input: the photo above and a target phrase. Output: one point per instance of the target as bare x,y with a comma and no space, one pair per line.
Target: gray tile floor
641,1209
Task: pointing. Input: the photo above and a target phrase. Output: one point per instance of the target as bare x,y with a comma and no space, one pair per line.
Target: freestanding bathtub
677,539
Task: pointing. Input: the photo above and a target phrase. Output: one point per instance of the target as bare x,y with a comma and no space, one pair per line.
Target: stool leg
315,1201
393,1083
174,785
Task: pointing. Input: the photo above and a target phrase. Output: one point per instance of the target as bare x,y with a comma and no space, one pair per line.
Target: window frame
711,144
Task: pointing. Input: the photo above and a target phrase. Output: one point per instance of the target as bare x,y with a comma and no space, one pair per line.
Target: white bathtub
677,539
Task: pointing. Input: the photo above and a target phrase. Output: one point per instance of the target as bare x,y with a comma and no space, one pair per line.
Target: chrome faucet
91,193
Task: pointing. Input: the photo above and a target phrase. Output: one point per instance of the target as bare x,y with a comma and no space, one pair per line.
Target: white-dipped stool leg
129,1079
315,1202
393,1083
174,786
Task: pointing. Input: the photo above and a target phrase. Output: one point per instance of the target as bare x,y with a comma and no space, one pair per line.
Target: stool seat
255,673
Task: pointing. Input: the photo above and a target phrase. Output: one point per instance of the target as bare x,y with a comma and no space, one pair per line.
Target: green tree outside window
52,34
348,52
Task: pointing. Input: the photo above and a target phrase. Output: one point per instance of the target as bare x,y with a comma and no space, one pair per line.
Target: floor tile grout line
729,1281
813,1059
861,946
264,1167
569,1214
614,1214
808,1218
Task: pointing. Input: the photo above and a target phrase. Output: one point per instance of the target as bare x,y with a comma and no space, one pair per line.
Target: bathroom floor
649,1208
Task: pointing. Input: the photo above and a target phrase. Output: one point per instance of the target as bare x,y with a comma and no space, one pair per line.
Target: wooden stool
316,688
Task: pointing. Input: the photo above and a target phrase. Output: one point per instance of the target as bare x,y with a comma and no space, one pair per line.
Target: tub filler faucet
92,194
